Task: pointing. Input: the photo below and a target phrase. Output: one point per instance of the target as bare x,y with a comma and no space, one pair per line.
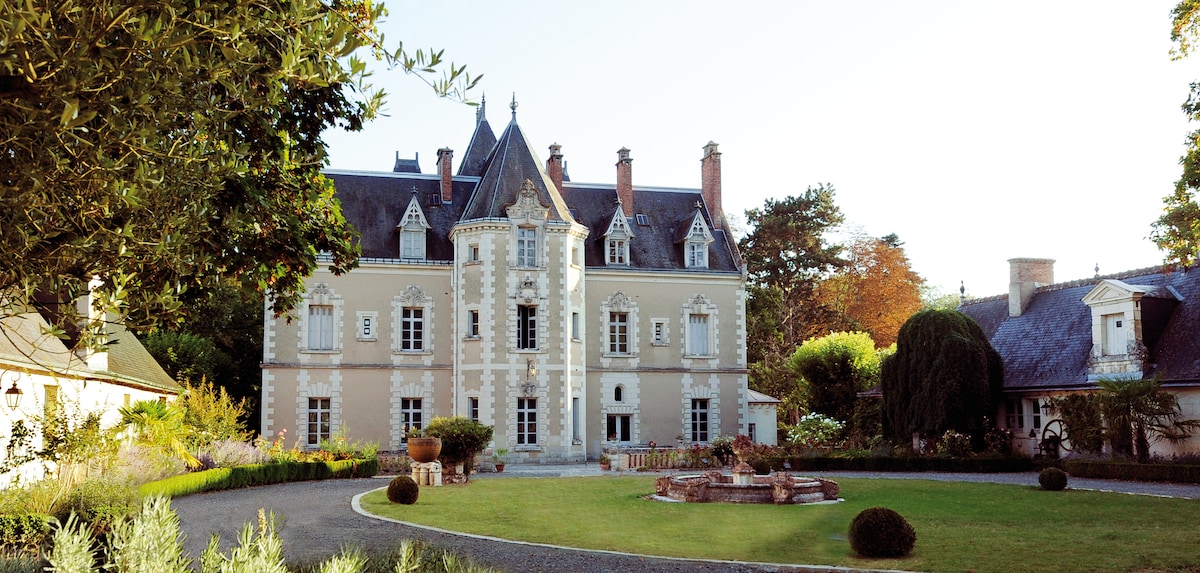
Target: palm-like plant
160,425
1140,412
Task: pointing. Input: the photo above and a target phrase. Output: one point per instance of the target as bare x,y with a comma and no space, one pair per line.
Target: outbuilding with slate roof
1059,338
572,317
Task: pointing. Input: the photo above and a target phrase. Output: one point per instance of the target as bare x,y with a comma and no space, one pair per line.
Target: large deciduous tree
945,375
876,291
1177,231
787,254
157,149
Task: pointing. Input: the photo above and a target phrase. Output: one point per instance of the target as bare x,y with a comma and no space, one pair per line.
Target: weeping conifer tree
945,375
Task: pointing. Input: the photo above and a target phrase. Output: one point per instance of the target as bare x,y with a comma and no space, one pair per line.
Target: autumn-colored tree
876,291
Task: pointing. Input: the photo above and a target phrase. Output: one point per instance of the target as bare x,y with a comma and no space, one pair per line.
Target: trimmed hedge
911,464
24,533
1178,473
259,474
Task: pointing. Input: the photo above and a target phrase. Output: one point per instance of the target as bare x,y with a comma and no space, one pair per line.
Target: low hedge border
1178,473
23,533
913,464
258,474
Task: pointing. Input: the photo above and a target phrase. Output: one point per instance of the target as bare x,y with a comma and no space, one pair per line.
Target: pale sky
976,131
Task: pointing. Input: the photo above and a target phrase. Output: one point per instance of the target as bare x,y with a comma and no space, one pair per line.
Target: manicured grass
960,526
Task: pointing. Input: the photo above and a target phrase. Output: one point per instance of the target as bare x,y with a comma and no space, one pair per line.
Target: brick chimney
710,184
554,166
445,155
1024,277
625,181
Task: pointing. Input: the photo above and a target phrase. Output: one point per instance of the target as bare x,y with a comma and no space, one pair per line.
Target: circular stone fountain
745,487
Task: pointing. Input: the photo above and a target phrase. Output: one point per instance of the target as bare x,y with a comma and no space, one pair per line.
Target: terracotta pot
499,468
424,450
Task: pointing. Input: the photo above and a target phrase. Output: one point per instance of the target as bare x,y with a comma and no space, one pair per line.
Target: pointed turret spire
513,106
481,111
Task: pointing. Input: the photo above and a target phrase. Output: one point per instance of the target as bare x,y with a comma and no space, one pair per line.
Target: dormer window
412,228
695,243
617,239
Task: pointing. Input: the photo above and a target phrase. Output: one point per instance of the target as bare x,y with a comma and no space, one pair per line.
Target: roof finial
1097,269
414,190
698,205
481,112
513,105
962,292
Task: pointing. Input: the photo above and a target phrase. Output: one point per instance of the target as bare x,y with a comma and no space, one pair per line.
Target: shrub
141,463
462,438
23,534
229,453
101,502
403,490
815,431
881,532
722,449
954,444
1052,479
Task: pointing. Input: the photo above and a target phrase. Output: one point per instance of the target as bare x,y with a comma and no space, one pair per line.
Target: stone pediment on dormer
618,226
413,218
1111,291
527,209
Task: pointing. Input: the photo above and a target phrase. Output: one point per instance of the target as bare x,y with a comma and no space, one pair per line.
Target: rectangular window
619,428
642,219
753,432
526,247
410,416
412,329
660,332
318,421
473,323
412,245
366,326
699,420
320,327
616,252
575,326
575,421
698,335
527,327
473,253
618,332
526,421
473,408
1014,415
697,255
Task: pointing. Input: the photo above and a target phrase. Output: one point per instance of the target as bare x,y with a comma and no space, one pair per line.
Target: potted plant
420,448
500,458
462,439
605,462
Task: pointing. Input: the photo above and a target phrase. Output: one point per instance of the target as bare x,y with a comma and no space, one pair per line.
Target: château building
570,316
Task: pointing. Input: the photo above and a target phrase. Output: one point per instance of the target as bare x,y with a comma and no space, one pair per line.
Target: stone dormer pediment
1123,328
528,209
413,218
1110,291
618,226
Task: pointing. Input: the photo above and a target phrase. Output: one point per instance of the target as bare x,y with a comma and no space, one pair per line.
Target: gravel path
318,520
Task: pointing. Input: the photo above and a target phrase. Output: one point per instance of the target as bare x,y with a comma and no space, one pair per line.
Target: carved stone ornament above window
699,303
412,296
619,302
320,294
528,208
527,290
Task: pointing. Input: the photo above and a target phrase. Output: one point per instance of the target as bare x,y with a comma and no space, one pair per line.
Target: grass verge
960,526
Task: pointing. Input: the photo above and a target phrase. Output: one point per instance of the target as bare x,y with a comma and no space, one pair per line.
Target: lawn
960,526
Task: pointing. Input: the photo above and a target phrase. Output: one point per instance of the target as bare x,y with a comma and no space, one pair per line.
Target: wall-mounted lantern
12,396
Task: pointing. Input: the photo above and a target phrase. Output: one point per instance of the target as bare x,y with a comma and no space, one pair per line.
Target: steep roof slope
1049,345
512,162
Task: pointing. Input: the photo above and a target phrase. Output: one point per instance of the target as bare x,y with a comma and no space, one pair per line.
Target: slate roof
407,165
482,142
1047,347
374,202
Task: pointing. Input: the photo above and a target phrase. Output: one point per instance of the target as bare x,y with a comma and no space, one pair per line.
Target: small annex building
1058,338
40,374
572,317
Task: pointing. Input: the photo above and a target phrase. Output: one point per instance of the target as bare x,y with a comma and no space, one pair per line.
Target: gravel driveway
318,520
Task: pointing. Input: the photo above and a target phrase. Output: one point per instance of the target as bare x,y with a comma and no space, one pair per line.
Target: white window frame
699,335
473,408
527,251
412,329
526,430
412,244
697,255
320,420
368,326
618,251
320,327
575,326
659,332
619,428
527,327
412,416
700,420
618,332
473,324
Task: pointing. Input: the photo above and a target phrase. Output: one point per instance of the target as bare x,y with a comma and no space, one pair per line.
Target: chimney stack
625,181
445,155
1024,277
554,166
710,184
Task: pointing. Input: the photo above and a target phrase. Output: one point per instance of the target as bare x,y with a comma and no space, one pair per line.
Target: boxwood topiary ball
1052,479
403,489
881,532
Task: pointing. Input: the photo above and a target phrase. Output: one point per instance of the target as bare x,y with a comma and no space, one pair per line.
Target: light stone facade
517,316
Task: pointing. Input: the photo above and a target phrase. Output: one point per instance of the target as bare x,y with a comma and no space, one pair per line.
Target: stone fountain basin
716,487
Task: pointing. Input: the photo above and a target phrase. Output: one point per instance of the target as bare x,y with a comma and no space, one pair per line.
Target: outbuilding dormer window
412,228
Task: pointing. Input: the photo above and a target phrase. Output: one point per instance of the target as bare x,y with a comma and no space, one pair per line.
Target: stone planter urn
424,450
